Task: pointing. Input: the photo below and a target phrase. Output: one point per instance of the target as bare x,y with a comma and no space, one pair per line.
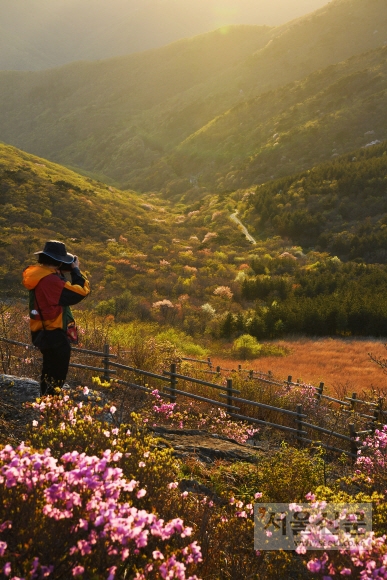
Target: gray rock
206,446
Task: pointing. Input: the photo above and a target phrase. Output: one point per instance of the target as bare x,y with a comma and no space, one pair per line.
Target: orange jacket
51,296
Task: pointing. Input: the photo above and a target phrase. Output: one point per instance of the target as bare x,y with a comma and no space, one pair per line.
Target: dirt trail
235,219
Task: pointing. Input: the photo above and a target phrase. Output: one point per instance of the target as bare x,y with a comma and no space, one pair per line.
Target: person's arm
76,290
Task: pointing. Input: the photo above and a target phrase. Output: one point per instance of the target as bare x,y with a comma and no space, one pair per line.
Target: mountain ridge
44,34
127,118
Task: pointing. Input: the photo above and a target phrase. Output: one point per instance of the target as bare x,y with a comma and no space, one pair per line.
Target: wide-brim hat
57,251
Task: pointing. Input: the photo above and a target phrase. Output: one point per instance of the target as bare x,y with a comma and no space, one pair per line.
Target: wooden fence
297,425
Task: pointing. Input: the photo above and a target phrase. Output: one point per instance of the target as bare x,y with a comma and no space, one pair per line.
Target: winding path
236,220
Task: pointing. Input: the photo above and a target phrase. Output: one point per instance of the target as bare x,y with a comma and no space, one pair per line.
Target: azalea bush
105,502
77,517
74,428
66,425
361,557
364,557
372,461
190,416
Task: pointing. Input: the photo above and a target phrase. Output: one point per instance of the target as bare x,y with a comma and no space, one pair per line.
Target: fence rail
299,424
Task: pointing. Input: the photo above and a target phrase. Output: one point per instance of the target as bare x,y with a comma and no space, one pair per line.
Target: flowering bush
362,557
80,430
66,426
79,515
223,292
208,310
213,420
209,236
372,461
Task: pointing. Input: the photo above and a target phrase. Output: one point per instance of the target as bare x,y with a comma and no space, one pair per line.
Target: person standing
51,321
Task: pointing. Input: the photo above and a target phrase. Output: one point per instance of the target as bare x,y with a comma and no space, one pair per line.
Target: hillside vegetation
126,242
192,268
339,207
41,200
136,119
332,111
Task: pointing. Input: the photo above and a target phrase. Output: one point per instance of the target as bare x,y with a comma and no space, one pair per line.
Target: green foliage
329,298
246,346
182,342
337,207
286,475
121,307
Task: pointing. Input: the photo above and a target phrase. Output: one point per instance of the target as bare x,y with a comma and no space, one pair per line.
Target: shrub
246,346
84,520
182,341
282,476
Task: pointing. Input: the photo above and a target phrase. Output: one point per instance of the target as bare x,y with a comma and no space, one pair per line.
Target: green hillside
41,200
124,118
332,111
339,207
193,268
104,116
135,248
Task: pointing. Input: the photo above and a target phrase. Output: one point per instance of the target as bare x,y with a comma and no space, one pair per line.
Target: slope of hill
338,207
131,245
332,111
37,34
119,118
195,270
41,200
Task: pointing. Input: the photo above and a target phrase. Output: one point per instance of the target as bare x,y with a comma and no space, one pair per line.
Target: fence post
229,395
299,425
209,362
172,396
353,401
106,373
352,434
379,409
239,368
374,420
319,392
251,374
289,381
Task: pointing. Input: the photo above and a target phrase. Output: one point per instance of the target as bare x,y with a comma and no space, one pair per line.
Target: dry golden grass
342,364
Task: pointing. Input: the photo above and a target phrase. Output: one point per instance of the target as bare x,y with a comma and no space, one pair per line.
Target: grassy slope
121,117
41,200
120,236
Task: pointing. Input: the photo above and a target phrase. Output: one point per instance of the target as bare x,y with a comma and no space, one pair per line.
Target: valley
169,118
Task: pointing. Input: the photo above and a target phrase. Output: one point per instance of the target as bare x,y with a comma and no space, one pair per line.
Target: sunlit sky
43,33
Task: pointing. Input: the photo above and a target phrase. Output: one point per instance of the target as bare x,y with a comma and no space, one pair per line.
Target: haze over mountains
200,114
38,34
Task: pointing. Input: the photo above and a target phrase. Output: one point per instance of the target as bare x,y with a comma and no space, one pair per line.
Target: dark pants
55,366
